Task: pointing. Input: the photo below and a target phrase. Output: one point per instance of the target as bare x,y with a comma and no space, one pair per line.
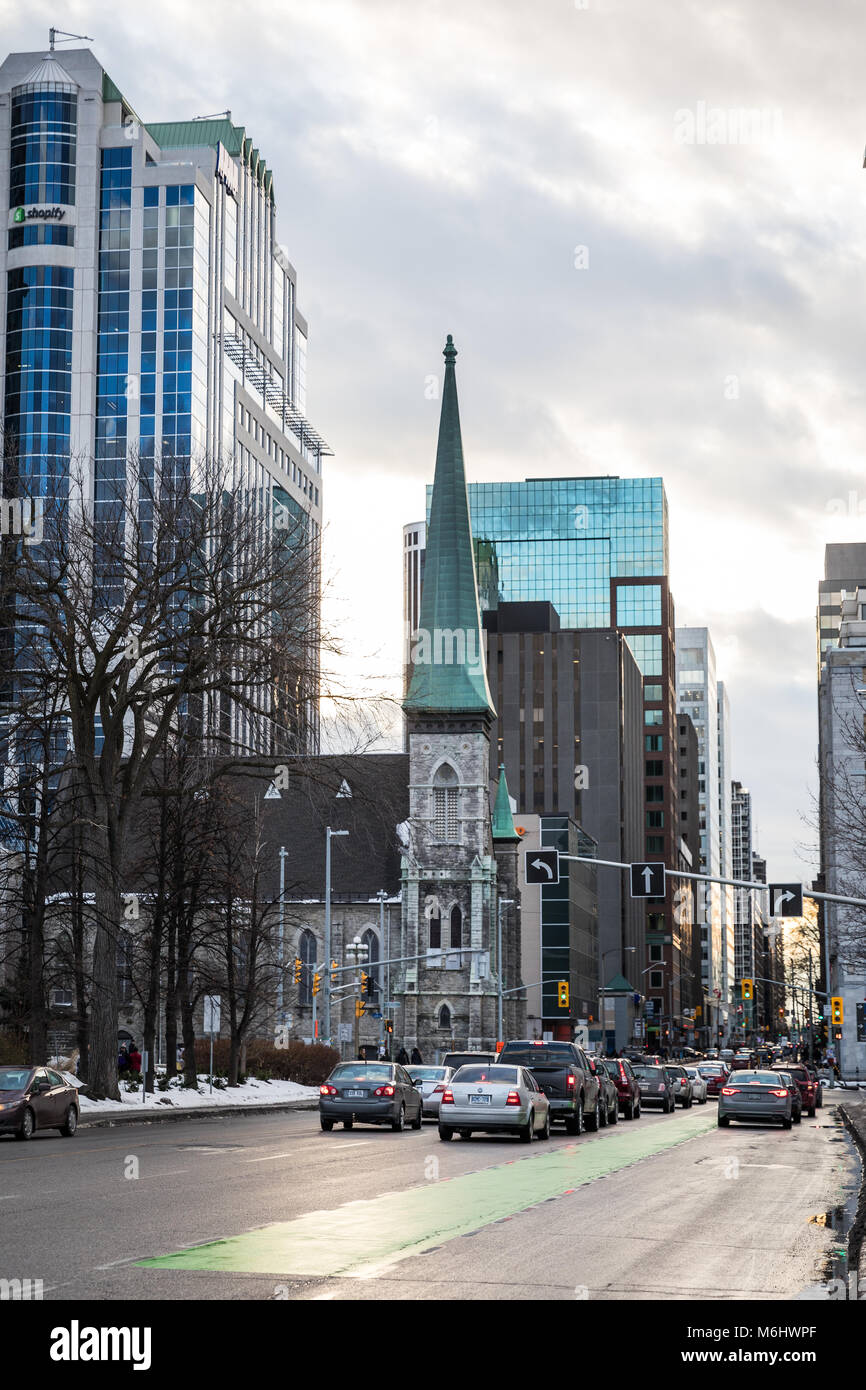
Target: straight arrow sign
647,880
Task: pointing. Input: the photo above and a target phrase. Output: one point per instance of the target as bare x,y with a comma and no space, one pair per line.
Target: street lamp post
386,980
326,980
357,954
503,902
280,953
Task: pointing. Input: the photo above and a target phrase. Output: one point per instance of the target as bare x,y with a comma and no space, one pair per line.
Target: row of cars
526,1088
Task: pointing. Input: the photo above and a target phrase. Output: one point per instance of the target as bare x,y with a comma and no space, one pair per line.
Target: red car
715,1075
627,1087
808,1088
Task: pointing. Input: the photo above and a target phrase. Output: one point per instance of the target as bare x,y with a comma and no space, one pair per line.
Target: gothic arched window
446,791
371,940
443,1023
307,954
456,928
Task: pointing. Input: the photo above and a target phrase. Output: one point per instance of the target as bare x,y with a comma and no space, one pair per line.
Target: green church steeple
447,652
503,821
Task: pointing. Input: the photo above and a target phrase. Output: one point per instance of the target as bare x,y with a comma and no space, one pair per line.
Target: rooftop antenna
55,34
214,116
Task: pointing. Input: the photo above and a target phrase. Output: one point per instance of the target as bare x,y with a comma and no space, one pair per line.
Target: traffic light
365,983
370,987
389,1026
781,1012
334,969
317,983
297,970
360,1008
837,1012
747,989
562,994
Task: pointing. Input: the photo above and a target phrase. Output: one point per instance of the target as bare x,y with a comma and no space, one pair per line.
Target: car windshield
361,1071
465,1059
712,1069
427,1073
506,1076
799,1073
545,1055
759,1078
14,1078
649,1073
611,1064
674,1071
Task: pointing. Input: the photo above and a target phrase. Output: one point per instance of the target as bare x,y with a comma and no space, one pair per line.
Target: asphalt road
664,1207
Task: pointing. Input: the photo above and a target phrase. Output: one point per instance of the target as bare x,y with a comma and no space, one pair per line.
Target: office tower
150,312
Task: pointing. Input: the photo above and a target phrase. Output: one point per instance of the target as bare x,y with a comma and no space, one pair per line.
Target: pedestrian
134,1060
417,1059
179,1059
123,1061
362,1054
402,1057
383,1052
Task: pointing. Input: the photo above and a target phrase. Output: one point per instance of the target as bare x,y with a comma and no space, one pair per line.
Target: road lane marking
269,1158
367,1235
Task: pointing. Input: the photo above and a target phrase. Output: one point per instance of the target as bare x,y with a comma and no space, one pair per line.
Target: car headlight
10,1104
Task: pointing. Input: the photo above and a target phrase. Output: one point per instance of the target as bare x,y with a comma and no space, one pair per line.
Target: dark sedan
371,1093
656,1088
34,1098
608,1095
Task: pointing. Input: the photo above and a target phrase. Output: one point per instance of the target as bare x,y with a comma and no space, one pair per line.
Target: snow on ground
179,1098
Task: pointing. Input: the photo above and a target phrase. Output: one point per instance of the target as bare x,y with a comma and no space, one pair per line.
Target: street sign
647,880
345,1034
211,1013
541,866
786,900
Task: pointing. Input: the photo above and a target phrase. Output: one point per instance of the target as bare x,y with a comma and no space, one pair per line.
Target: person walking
417,1059
123,1062
134,1060
402,1057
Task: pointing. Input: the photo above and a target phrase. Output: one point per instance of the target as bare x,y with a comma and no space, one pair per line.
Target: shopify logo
19,215
39,214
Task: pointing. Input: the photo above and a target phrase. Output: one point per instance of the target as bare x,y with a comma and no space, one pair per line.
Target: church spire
503,821
447,653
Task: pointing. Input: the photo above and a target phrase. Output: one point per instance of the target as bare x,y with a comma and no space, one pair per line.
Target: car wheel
528,1129
574,1123
28,1125
615,1114
416,1124
348,1124
704,1101
628,1110
811,1113
465,1133
723,1121
798,1118
327,1125
445,1133
70,1124
688,1104
594,1120
637,1112
399,1124
545,1133
786,1124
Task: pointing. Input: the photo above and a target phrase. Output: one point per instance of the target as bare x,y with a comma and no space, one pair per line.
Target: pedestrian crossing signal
562,994
837,1011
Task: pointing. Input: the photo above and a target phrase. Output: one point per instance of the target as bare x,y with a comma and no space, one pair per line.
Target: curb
855,1123
199,1112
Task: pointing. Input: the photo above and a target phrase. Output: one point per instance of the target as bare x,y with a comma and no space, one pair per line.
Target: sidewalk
179,1103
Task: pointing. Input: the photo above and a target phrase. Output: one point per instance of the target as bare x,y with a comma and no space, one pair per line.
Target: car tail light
512,1098
730,1091
778,1093
569,1082
326,1090
384,1091
622,1075
438,1089
447,1097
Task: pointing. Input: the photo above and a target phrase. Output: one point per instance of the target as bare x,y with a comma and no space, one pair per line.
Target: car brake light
778,1093
569,1082
622,1074
437,1089
730,1091
384,1091
512,1098
447,1098
326,1090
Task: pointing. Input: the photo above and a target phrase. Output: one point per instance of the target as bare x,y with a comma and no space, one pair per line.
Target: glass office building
149,313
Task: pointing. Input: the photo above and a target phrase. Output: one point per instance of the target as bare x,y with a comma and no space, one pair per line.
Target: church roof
448,671
503,821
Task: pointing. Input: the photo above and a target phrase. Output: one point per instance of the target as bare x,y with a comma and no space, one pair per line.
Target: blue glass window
43,146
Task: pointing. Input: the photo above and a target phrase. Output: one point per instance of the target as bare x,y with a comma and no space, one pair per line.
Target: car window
55,1079
539,1055
427,1073
503,1075
361,1071
14,1078
403,1076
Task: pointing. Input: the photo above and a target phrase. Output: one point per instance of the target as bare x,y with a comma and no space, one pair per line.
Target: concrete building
149,311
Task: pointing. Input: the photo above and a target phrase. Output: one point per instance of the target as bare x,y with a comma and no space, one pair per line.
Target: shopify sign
37,213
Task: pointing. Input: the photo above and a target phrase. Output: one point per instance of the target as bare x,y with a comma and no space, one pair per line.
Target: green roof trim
110,90
503,820
176,135
447,651
618,985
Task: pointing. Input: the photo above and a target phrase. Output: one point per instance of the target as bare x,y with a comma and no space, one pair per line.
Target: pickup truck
566,1078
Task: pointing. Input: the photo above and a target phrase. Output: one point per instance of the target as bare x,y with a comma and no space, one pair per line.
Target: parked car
699,1085
682,1086
563,1072
620,1070
796,1098
819,1085
801,1075
608,1095
370,1093
656,1088
755,1095
715,1074
495,1099
467,1059
430,1082
33,1098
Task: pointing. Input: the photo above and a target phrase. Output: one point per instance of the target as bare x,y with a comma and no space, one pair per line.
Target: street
667,1207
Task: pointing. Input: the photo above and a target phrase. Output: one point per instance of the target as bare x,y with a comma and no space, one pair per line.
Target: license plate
356,1094
479,1100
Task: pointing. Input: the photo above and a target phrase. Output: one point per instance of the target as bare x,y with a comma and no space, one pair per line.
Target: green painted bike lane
362,1237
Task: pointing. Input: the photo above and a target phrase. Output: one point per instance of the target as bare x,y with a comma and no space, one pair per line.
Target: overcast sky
437,165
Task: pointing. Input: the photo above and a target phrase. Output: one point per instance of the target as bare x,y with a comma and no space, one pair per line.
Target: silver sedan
430,1083
494,1099
699,1085
755,1095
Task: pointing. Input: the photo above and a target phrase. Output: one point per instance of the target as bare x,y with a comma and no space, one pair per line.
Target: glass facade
177,306
564,539
39,378
40,234
43,146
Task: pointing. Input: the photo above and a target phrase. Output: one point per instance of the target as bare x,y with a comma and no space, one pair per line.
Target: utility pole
503,902
357,954
382,895
326,1003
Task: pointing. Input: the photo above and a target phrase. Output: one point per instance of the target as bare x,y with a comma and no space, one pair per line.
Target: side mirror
41,1087
418,1081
